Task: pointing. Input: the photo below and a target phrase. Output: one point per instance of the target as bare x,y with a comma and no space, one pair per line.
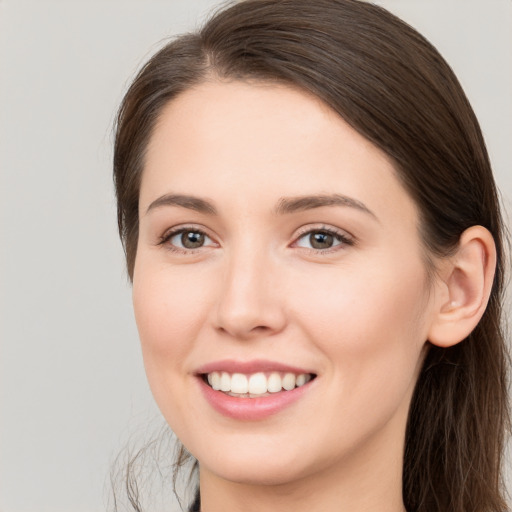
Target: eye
187,239
322,239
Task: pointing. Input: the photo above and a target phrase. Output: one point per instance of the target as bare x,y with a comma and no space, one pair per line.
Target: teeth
239,383
301,380
289,381
256,384
274,383
214,380
225,382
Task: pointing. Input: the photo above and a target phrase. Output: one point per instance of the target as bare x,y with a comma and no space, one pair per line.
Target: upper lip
249,367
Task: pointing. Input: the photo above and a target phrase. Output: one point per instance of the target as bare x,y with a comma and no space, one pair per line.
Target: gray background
72,388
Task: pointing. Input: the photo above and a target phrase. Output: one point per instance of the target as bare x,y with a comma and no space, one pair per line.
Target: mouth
255,385
254,390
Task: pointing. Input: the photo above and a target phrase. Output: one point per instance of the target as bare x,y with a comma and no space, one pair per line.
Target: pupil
192,239
321,240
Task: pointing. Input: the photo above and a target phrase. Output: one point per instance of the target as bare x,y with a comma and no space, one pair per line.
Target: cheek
169,310
370,324
383,293
371,333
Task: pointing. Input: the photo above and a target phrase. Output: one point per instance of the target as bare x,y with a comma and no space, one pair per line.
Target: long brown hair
392,86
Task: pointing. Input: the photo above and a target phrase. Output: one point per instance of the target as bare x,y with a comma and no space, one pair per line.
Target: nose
250,301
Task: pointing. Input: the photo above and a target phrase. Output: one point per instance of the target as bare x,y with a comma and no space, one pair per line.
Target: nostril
244,331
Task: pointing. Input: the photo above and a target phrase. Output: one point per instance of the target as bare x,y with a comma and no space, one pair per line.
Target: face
279,260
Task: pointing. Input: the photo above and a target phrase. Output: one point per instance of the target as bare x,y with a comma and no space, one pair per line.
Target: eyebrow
284,206
302,203
190,202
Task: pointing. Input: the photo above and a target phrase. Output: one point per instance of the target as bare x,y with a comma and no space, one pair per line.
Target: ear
464,286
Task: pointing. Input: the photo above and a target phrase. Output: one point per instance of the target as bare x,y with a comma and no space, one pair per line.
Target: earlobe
465,287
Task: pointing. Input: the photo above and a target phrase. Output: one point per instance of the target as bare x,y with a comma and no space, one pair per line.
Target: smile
255,385
253,390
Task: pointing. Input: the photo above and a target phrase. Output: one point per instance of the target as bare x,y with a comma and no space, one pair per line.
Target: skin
357,315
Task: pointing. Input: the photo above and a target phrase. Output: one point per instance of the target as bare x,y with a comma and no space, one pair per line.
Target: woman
314,238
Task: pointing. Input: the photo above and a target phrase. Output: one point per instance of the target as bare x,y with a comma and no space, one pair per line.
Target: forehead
244,140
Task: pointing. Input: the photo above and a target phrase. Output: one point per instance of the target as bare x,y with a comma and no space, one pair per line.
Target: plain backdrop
72,388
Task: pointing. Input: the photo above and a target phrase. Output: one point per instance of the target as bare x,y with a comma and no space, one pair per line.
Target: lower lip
251,409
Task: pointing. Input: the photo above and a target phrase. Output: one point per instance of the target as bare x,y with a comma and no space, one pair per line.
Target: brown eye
321,240
187,239
192,239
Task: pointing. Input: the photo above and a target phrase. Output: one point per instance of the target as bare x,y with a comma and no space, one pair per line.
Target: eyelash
168,235
343,239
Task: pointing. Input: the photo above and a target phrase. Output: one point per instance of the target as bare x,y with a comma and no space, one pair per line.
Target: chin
260,465
257,473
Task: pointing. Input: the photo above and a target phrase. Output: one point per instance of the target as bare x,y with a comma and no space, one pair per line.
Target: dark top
196,506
